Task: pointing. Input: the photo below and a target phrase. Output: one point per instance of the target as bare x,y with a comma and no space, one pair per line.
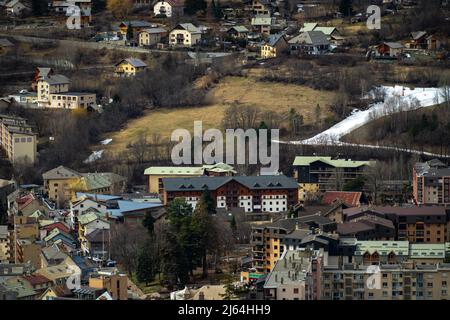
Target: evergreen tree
208,200
98,6
233,225
39,7
192,6
346,8
179,212
174,266
146,265
149,223
130,34
201,228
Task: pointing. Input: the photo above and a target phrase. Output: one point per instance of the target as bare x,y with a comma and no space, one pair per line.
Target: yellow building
18,139
130,67
61,183
114,282
156,174
274,46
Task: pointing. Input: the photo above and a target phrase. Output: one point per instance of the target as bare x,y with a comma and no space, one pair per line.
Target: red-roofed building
351,199
59,225
38,282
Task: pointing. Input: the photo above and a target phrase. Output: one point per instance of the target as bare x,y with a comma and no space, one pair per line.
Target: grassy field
267,96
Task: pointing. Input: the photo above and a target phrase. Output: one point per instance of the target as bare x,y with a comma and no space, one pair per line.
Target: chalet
262,24
389,49
253,193
130,67
418,40
150,37
16,8
169,8
274,46
261,7
185,34
333,35
310,42
136,25
41,72
66,8
238,32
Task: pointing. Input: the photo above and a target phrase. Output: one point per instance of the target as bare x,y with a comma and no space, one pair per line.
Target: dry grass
267,96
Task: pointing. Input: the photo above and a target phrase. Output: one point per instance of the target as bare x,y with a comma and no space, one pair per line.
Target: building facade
18,139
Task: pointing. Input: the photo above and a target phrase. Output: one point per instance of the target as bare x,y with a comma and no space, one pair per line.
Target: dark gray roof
315,38
5,43
55,79
212,183
274,38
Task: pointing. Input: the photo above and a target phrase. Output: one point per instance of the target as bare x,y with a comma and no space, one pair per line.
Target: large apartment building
271,193
156,174
394,282
317,173
415,224
53,92
431,183
17,139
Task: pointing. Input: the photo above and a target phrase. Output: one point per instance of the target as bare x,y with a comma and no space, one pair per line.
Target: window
295,290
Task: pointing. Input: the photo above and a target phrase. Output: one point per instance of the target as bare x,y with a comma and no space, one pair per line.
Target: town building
326,173
390,50
310,43
185,35
130,67
274,46
262,24
415,224
151,37
169,8
18,139
81,8
61,183
112,280
156,174
53,92
238,32
431,183
135,25
253,193
296,276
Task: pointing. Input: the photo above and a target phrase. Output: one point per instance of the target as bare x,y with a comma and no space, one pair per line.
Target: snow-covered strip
106,141
396,99
95,155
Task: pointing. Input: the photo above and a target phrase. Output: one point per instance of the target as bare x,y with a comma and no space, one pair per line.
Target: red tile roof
349,198
36,279
61,226
24,201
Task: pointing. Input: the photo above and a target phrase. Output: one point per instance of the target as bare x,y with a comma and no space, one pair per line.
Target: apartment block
271,193
431,183
18,139
416,224
53,92
327,173
393,282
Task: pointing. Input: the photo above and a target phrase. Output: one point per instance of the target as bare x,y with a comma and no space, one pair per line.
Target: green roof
174,171
382,247
339,163
87,218
428,250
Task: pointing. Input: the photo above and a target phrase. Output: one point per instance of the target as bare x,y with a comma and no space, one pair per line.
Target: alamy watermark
239,143
374,17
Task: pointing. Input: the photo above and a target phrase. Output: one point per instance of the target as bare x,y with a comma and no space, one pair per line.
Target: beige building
185,34
394,282
53,92
5,245
114,282
18,139
61,184
130,67
150,37
274,46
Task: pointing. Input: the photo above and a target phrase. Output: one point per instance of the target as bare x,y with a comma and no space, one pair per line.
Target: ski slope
397,99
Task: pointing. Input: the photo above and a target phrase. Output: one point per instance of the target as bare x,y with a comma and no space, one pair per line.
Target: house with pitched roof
150,37
310,43
17,7
136,25
262,24
390,49
168,8
185,35
130,67
238,31
274,46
